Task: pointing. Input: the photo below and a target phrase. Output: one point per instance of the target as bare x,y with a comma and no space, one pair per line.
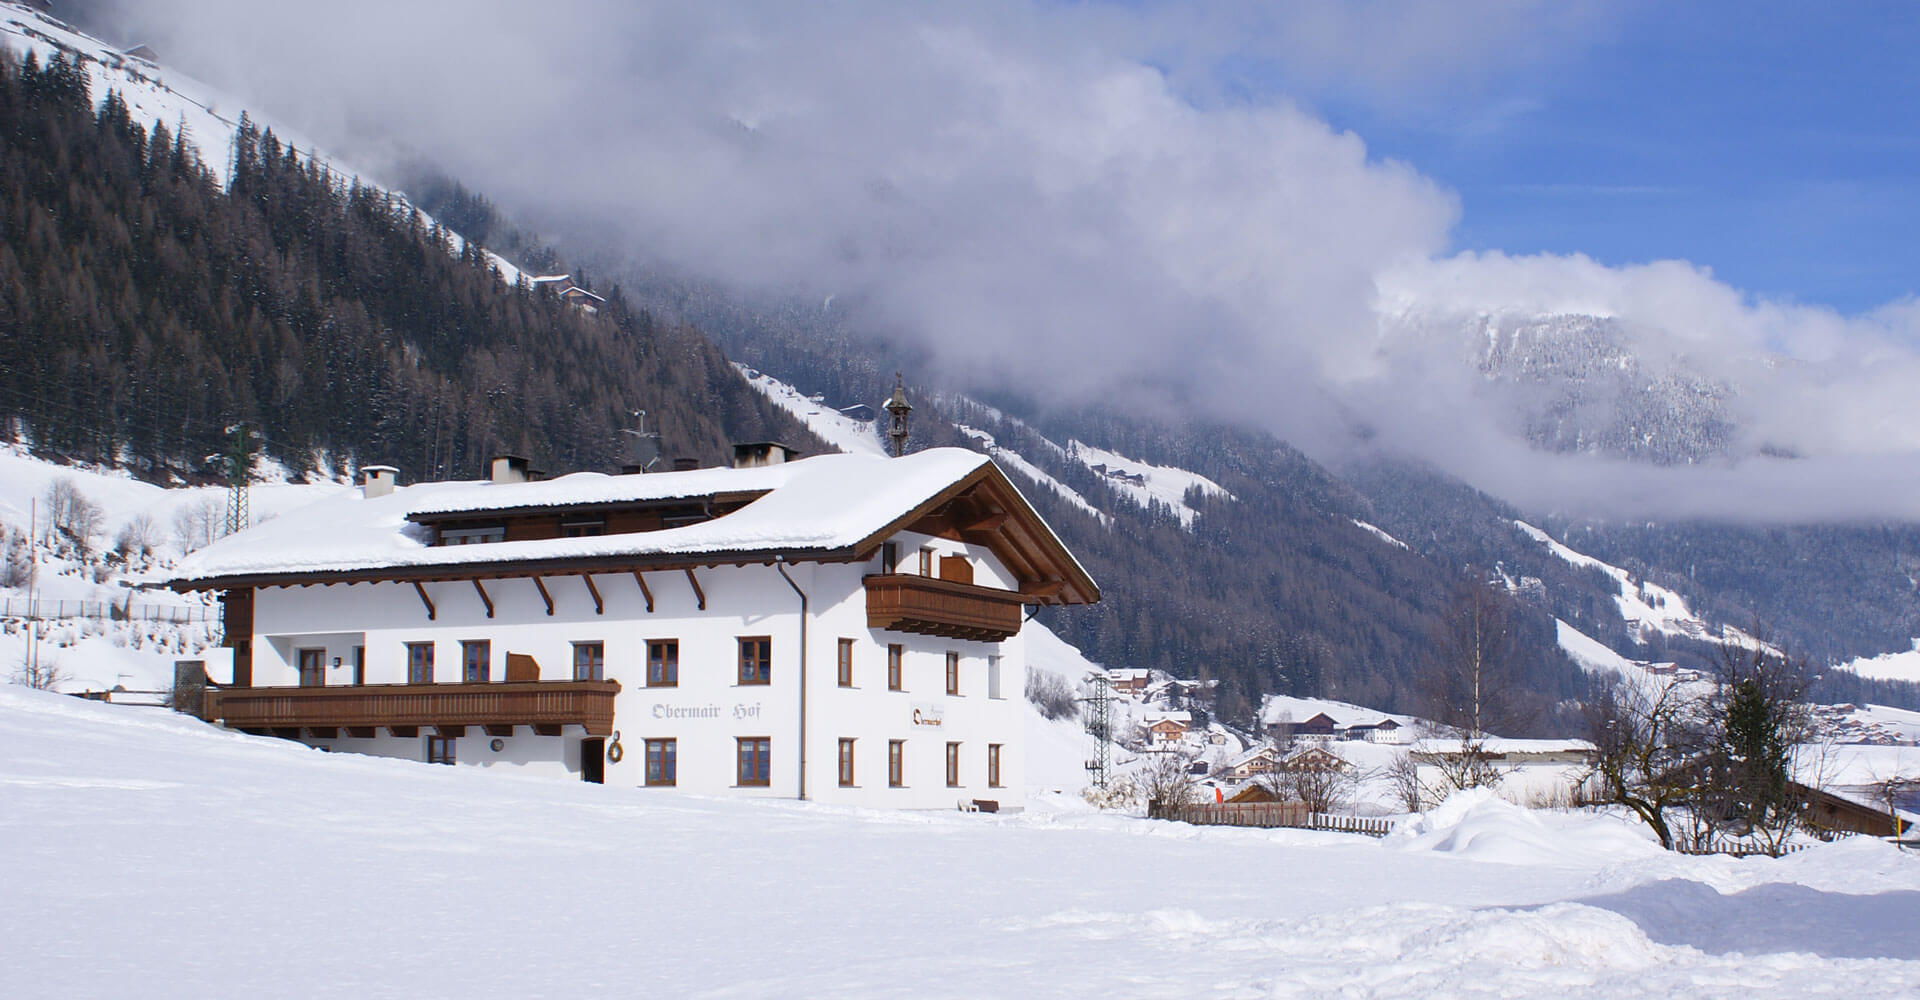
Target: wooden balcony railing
929,606
544,704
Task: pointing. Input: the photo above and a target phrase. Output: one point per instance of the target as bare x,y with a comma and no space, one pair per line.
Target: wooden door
313,668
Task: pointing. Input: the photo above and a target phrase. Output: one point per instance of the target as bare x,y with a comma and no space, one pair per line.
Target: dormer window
581,527
474,534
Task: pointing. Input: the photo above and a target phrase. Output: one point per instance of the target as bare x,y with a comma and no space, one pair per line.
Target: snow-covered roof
1282,708
1183,717
1503,745
828,503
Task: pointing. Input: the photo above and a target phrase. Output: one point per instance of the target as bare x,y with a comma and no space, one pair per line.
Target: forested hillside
143,309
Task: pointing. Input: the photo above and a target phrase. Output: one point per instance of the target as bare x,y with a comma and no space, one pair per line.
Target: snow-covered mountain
205,117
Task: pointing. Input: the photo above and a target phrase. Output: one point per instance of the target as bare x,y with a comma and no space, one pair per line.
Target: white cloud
1014,186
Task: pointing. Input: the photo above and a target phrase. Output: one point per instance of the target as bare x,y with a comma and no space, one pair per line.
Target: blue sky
1778,144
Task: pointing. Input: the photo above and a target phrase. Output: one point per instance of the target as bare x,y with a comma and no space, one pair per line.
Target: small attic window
581,527
473,535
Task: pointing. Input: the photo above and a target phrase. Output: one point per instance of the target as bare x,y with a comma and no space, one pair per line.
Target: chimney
509,469
685,464
377,480
758,453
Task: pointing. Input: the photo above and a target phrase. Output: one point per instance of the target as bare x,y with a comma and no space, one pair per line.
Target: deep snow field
145,854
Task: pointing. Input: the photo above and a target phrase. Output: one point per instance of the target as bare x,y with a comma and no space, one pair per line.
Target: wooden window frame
846,762
953,764
669,673
425,675
994,690
896,763
845,663
926,560
953,672
993,765
761,745
441,750
466,661
896,667
889,558
597,666
764,675
359,666
658,752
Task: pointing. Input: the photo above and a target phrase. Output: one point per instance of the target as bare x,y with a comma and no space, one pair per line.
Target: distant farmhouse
562,286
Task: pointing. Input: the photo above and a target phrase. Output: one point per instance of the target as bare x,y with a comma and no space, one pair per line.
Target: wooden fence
1294,815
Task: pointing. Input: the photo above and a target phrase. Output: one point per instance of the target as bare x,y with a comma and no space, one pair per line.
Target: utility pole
33,583
1100,725
239,461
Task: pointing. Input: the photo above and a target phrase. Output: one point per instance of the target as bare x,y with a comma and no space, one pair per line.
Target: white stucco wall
709,709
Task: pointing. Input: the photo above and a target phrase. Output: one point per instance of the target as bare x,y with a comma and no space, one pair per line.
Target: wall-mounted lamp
498,745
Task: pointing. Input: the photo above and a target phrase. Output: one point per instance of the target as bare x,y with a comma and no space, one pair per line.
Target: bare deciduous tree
1165,783
1474,689
1322,788
41,673
1648,742
1050,694
1403,774
197,524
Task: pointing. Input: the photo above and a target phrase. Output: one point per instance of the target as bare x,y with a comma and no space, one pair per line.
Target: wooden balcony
954,610
405,708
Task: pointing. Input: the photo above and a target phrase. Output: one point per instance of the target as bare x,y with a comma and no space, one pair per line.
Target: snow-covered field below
150,855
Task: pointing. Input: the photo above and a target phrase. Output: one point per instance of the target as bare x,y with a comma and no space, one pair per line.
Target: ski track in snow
152,855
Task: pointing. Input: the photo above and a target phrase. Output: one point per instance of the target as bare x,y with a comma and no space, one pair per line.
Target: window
993,677
953,765
439,750
890,557
993,765
756,659
582,527
313,668
359,665
926,562
896,763
663,663
846,763
476,661
473,536
894,655
846,663
756,754
953,672
663,762
589,661
419,663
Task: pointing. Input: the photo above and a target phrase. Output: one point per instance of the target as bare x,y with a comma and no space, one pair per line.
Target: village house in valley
843,628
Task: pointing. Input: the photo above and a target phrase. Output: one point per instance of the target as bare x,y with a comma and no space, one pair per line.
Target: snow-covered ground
856,437
150,855
1903,665
95,651
1378,532
1145,482
1016,462
1645,606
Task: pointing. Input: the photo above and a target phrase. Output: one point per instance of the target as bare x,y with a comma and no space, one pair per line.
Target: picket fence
1293,815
